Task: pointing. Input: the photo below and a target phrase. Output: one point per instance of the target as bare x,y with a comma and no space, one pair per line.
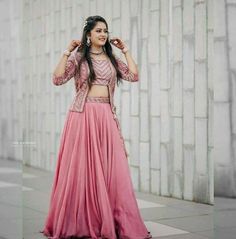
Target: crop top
102,71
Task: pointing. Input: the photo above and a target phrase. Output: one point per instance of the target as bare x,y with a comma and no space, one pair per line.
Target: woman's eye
104,31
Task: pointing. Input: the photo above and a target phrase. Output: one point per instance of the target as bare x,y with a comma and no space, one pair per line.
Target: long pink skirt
92,194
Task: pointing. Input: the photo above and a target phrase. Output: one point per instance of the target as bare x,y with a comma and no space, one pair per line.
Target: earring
88,42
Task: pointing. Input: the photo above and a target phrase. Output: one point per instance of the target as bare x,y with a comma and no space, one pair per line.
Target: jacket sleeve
125,71
69,71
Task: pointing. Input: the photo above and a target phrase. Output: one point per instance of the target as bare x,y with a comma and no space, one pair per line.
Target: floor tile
11,195
7,170
27,188
191,224
165,213
11,228
160,230
225,233
225,218
7,185
28,175
184,236
146,204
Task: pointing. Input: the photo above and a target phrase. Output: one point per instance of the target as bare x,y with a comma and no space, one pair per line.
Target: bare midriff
98,91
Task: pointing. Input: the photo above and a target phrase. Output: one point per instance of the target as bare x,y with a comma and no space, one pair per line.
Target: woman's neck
96,49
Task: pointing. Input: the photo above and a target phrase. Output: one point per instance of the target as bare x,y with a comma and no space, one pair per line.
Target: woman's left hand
117,42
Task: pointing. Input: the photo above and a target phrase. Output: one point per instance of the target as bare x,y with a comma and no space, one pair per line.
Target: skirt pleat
92,194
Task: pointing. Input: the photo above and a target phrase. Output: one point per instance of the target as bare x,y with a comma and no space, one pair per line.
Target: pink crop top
103,72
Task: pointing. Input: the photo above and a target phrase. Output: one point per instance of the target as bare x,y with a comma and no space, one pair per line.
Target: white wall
168,122
225,97
11,82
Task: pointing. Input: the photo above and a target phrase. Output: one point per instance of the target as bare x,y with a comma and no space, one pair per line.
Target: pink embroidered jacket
81,84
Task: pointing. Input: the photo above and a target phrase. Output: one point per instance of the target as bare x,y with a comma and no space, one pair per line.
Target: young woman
92,194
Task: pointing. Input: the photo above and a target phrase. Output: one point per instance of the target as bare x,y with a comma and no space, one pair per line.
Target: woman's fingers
78,42
117,42
73,44
113,41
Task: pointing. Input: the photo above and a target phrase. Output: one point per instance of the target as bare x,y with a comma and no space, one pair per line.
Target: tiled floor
24,200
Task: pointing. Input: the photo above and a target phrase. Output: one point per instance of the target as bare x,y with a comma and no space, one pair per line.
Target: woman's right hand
73,45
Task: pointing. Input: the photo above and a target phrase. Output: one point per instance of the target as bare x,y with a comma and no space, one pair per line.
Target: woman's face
99,34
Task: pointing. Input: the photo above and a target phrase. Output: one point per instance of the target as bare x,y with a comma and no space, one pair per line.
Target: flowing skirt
92,193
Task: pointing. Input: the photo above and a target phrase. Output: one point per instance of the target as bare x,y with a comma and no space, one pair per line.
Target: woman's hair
84,49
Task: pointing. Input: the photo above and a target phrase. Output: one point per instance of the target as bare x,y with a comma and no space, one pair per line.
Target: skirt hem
148,236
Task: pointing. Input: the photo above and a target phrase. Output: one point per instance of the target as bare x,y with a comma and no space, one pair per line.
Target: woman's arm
66,67
131,63
129,72
64,70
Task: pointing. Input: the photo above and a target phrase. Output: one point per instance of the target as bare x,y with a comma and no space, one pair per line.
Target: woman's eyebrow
101,28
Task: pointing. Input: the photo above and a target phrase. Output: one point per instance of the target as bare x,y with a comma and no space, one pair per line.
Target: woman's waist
97,99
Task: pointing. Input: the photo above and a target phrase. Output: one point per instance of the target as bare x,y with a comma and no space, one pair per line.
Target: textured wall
167,124
11,98
225,97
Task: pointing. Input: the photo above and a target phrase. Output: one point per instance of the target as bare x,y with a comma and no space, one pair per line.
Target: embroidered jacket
81,84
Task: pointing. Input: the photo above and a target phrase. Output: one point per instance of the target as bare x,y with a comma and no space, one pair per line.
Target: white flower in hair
85,23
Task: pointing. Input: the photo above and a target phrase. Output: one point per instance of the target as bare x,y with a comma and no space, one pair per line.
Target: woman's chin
102,43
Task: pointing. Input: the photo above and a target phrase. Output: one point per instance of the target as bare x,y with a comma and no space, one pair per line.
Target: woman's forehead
100,25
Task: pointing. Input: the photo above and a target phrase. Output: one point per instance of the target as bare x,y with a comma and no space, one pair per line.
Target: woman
92,194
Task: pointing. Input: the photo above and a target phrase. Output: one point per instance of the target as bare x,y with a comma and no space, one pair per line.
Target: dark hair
84,49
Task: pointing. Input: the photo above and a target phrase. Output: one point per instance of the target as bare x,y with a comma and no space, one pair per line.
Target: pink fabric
80,78
92,194
72,64
102,71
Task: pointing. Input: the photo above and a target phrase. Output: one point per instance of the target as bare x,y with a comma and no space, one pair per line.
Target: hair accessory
85,23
